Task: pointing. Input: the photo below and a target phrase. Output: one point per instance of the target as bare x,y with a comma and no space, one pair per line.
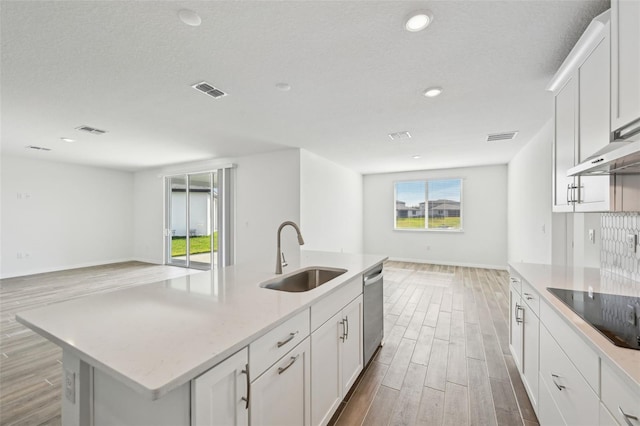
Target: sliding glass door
198,224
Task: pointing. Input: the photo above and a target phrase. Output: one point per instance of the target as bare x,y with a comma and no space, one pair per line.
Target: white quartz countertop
157,337
627,361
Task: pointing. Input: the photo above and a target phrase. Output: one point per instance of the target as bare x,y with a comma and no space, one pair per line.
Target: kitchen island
143,347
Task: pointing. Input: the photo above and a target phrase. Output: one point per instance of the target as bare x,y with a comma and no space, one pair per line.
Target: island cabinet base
91,397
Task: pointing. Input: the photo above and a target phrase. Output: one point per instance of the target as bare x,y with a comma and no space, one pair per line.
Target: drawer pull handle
287,340
554,377
626,416
528,296
248,397
286,367
515,280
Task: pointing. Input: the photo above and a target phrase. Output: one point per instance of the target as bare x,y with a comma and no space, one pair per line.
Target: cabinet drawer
531,297
581,355
334,302
516,282
617,395
266,350
576,401
548,412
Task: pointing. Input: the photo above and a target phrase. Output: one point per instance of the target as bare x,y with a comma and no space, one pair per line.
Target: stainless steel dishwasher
372,311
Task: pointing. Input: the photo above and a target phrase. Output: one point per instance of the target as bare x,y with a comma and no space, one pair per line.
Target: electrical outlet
631,243
70,386
592,235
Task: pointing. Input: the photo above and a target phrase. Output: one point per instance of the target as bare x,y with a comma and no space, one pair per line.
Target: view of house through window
429,204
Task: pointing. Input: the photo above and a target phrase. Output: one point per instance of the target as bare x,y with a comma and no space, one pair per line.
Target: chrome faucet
280,262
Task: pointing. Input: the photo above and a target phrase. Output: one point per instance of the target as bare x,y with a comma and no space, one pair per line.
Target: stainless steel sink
304,279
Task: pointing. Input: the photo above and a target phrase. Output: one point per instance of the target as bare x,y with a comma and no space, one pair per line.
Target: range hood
622,156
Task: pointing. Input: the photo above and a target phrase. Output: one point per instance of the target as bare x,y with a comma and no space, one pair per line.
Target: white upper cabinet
582,120
625,58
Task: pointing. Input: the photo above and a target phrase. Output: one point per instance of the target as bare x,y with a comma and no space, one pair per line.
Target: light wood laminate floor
445,359
30,365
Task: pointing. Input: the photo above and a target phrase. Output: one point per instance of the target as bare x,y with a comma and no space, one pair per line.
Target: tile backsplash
614,254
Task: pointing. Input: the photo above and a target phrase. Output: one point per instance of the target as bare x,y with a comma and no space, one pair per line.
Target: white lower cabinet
336,360
281,396
548,412
620,399
574,398
219,396
524,329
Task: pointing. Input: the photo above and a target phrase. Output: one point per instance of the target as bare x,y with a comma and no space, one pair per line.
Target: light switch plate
70,386
592,235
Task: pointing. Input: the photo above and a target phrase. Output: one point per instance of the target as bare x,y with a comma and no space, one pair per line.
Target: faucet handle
284,261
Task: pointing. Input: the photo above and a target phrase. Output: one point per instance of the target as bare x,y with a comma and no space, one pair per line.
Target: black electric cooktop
616,317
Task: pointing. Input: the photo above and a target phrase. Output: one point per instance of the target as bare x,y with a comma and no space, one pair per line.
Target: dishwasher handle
372,279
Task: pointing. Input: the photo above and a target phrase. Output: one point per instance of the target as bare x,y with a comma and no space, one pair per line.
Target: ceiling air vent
208,89
38,148
399,136
91,130
506,136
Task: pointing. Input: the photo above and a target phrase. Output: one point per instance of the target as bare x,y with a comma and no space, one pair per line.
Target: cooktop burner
614,316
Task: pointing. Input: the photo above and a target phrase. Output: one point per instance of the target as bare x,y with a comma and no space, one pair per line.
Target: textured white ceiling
356,75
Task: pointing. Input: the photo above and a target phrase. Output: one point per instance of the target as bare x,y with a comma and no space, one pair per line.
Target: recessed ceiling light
400,136
418,21
284,87
432,92
416,157
189,17
67,140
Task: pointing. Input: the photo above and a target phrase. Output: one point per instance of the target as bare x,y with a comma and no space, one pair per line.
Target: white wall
530,222
148,216
63,216
267,194
330,205
484,240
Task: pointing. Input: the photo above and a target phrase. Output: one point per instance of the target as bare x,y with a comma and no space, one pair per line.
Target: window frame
426,194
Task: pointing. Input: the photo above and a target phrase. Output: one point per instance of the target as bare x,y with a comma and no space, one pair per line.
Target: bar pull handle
281,343
528,296
346,336
286,367
519,308
344,330
626,416
248,397
554,377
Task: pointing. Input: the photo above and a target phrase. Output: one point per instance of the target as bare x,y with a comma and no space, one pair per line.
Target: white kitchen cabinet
621,400
219,396
516,327
281,396
574,398
625,62
564,187
336,360
524,329
582,124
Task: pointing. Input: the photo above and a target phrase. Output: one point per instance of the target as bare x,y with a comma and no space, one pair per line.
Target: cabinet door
325,370
531,343
217,395
594,130
281,396
515,328
352,351
564,146
625,66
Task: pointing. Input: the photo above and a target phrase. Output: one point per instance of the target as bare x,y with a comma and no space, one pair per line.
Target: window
429,204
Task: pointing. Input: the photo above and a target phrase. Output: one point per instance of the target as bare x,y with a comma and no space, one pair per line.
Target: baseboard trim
440,262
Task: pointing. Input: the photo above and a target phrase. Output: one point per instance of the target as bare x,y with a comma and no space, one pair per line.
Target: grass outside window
201,244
